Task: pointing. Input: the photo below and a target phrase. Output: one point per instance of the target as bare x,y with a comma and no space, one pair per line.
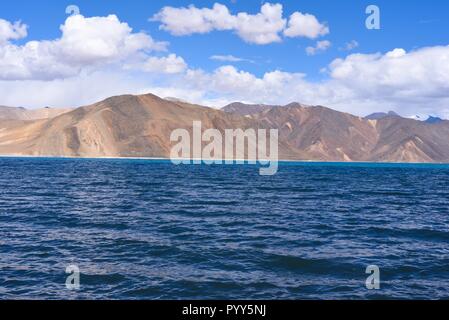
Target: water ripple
151,230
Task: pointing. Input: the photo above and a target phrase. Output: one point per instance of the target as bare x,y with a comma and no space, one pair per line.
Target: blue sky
409,25
405,24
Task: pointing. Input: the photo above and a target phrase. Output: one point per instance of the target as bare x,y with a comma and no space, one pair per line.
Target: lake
147,229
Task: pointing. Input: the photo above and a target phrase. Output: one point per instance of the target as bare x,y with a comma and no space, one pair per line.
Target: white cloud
12,31
416,82
417,77
262,28
170,64
305,25
231,84
82,89
85,43
186,21
101,56
349,46
87,40
396,53
320,46
229,58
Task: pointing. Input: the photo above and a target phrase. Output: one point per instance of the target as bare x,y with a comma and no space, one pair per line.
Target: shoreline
193,159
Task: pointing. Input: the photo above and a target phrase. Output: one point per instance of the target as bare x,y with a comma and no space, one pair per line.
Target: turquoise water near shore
146,229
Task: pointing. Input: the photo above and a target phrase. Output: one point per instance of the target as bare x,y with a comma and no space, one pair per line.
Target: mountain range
381,115
140,126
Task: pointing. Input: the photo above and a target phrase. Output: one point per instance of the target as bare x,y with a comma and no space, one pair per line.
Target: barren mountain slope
246,109
325,134
123,126
140,126
406,140
322,133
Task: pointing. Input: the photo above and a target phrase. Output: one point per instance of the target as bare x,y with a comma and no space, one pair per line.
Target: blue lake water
141,229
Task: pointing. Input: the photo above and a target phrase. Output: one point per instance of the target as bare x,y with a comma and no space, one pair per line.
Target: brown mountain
322,133
246,109
140,126
123,126
381,115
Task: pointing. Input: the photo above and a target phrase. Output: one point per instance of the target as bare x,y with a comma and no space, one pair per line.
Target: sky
316,52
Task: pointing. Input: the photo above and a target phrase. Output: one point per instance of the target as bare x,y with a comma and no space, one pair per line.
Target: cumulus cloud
415,82
262,28
12,31
171,64
84,43
305,25
231,84
414,76
98,57
186,21
102,38
320,46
